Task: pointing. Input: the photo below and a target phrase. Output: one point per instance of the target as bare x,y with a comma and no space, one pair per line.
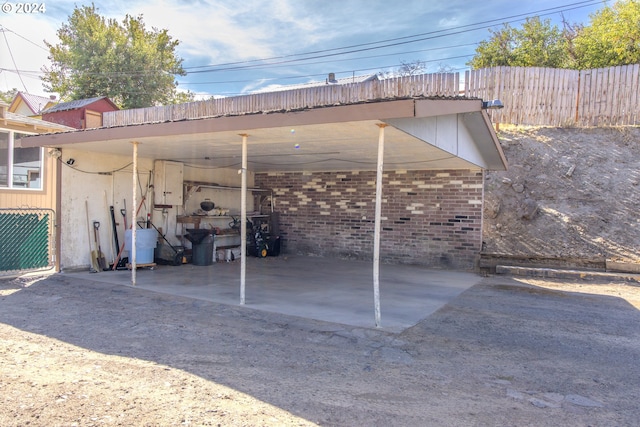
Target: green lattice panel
24,241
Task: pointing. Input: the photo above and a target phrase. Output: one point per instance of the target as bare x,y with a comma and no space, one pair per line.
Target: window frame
11,146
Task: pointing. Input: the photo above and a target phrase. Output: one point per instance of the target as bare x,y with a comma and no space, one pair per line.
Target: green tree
8,95
536,44
183,97
612,38
99,57
496,51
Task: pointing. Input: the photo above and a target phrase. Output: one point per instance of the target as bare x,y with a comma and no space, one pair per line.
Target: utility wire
318,74
13,60
263,62
287,60
394,41
4,28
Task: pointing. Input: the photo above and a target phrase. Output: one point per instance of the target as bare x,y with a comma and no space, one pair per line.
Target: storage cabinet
167,185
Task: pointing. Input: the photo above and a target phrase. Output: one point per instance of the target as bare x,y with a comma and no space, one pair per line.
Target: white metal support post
377,227
243,219
134,185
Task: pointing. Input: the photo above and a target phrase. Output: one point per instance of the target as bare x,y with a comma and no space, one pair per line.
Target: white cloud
255,85
20,35
224,31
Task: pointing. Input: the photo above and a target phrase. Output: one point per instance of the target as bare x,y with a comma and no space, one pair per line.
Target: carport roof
422,133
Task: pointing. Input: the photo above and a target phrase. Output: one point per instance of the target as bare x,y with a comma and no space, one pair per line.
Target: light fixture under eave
494,104
55,153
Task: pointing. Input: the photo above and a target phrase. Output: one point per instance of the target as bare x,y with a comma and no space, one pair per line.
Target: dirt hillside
570,195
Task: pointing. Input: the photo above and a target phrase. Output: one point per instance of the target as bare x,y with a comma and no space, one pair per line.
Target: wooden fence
424,85
531,96
555,97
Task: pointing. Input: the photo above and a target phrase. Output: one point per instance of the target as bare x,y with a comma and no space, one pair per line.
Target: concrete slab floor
326,289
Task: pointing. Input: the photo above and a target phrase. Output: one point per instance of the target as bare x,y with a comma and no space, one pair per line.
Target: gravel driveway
505,352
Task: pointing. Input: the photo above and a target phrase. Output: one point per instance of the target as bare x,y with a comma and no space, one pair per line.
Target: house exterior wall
43,199
101,106
71,118
431,218
22,108
81,118
92,184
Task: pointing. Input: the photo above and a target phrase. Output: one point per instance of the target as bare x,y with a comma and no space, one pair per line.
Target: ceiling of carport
325,139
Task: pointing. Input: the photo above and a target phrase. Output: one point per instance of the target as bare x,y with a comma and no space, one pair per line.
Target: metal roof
73,105
36,103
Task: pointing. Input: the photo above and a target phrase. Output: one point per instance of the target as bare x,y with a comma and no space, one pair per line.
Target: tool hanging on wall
102,263
112,254
120,264
123,212
114,226
94,267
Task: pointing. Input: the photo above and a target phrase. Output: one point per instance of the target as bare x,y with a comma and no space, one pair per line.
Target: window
20,168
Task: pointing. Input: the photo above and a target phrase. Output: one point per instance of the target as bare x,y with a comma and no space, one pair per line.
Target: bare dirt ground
569,193
505,352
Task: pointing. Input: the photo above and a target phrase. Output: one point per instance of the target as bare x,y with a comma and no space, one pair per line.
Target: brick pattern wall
431,218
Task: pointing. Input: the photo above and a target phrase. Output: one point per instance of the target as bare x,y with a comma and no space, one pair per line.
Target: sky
233,47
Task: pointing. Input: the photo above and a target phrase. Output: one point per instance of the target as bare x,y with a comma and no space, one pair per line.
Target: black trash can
202,243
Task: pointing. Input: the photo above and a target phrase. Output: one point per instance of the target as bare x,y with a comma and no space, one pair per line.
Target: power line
14,61
320,74
3,28
470,27
354,59
398,41
322,56
232,66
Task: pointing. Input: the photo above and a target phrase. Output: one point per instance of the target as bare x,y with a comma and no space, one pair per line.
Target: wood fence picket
531,96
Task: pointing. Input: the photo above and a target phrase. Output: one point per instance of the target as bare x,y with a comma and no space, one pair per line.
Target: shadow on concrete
501,352
331,290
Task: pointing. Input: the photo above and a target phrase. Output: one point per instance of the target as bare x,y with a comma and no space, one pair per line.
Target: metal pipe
243,220
377,227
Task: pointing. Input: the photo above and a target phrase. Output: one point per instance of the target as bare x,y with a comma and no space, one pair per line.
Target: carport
331,290
424,133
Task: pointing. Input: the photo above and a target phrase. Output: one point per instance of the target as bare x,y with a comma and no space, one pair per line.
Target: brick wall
431,218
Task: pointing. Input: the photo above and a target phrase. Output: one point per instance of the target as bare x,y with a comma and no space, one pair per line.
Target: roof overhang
20,123
422,134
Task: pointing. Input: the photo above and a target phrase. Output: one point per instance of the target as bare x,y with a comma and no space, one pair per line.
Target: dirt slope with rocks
570,197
